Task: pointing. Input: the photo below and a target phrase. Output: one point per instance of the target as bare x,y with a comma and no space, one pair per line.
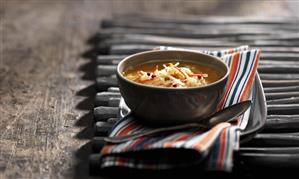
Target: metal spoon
225,115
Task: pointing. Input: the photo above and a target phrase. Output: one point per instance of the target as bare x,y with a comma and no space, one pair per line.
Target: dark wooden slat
203,34
282,123
179,41
280,62
270,150
264,43
114,102
102,128
103,83
147,39
283,109
223,35
109,59
279,56
282,36
113,89
134,48
275,140
102,113
278,69
273,161
195,43
103,98
284,76
271,96
105,70
170,26
166,41
129,49
292,100
286,117
112,120
108,100
211,20
279,83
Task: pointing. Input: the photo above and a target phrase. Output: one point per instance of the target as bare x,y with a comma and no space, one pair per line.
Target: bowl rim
120,75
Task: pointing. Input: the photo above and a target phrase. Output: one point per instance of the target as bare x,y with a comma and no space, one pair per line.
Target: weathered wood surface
45,122
45,90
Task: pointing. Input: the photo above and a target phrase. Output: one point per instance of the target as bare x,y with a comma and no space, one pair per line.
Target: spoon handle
122,139
229,113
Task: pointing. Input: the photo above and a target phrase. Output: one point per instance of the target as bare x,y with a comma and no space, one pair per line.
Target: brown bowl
171,106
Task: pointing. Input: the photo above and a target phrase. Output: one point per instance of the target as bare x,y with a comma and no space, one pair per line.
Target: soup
172,74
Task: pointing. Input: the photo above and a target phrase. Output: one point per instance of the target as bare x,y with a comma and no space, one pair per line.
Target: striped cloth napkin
212,149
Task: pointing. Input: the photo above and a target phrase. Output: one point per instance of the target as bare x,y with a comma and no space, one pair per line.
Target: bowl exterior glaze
171,106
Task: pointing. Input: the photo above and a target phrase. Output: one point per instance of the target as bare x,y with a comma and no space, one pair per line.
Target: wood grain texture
45,90
45,122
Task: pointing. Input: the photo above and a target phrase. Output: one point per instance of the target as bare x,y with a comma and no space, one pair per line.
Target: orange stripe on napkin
180,138
200,145
231,77
127,129
107,149
222,149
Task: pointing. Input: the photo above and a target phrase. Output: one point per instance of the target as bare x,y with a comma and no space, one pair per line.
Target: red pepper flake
175,85
148,74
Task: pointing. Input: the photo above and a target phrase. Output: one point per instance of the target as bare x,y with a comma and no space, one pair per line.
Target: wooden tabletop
44,95
46,87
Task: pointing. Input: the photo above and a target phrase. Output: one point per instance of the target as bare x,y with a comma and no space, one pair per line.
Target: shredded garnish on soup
171,75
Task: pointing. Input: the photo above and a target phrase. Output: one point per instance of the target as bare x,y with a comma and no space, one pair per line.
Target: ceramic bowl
172,106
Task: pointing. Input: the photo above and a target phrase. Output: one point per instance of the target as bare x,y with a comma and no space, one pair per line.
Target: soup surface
172,74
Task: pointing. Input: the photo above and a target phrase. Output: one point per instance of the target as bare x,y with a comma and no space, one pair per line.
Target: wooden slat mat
278,144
